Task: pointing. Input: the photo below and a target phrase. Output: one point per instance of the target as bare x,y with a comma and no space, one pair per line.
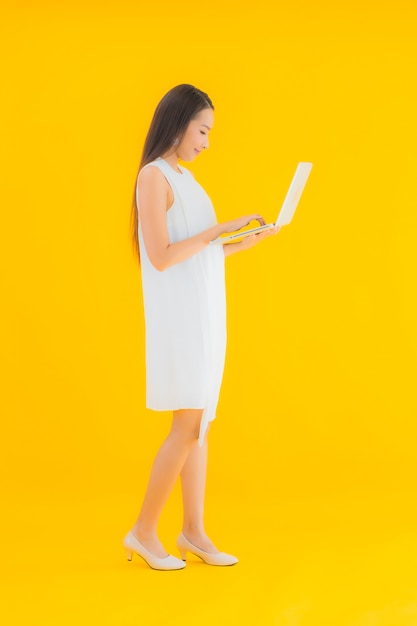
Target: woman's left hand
249,241
252,240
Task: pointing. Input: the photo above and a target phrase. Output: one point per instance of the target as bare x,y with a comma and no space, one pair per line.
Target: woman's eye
202,132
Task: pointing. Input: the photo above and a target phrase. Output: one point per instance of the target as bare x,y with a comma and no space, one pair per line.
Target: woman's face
195,138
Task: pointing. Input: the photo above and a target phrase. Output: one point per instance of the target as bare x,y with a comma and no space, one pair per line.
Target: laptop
287,210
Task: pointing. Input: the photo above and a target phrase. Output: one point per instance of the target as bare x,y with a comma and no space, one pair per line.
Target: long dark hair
170,121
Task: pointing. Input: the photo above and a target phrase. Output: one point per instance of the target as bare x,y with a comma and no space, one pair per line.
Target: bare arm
155,195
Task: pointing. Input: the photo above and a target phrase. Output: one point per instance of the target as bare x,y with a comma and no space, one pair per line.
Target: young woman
184,302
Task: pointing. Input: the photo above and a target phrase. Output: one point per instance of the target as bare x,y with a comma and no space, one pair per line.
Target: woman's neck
172,159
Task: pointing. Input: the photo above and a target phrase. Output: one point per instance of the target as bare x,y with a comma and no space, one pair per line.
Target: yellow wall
319,388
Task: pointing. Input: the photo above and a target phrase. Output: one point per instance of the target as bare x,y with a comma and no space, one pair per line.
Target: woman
184,301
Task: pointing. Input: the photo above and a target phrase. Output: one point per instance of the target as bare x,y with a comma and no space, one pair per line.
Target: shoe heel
129,554
183,553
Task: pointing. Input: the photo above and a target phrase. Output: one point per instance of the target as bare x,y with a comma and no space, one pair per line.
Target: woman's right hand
241,222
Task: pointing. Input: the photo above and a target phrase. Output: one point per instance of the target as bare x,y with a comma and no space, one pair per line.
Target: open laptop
287,210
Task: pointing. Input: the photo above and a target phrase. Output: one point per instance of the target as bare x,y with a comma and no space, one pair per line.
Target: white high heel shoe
220,558
132,544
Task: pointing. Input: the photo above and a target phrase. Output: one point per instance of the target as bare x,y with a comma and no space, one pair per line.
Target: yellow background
312,479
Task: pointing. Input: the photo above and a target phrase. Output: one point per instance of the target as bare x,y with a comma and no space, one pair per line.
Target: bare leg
193,483
166,468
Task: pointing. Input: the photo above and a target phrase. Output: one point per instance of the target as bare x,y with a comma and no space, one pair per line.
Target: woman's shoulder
151,172
156,164
160,170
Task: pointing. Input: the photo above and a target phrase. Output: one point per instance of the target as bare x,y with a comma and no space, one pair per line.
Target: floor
339,561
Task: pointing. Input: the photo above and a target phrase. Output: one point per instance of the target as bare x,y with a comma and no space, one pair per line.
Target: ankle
193,530
144,531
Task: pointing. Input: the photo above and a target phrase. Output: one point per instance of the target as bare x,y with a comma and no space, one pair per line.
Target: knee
187,435
186,426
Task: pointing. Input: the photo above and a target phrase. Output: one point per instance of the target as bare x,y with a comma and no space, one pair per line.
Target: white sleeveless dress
185,309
